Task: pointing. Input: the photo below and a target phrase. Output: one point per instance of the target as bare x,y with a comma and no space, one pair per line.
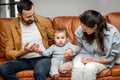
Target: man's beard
27,22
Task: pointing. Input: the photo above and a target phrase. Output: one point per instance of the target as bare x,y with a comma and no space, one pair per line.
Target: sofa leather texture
71,23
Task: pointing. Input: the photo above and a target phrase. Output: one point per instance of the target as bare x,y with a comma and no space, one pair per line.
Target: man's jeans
41,67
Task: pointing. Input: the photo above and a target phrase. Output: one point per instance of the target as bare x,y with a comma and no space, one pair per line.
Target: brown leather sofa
70,23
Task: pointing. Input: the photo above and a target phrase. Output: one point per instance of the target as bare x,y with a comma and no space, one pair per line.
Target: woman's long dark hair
90,18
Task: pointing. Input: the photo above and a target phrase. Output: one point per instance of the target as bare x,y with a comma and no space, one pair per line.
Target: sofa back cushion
70,23
3,26
114,19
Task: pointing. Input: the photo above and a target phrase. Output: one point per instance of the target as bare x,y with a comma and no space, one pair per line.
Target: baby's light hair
60,29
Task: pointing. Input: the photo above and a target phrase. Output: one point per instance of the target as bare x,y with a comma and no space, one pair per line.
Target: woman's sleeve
78,36
115,49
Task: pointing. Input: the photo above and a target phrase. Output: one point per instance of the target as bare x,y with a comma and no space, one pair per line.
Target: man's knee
43,65
3,69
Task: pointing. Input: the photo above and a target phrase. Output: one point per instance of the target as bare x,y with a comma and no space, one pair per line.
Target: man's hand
68,55
31,48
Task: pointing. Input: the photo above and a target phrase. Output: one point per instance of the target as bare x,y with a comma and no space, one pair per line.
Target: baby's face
60,38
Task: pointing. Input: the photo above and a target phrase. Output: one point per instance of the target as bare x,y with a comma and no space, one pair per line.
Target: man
27,34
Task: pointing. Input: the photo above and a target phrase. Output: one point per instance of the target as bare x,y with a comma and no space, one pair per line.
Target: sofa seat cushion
25,73
115,70
109,78
29,73
65,74
2,60
104,73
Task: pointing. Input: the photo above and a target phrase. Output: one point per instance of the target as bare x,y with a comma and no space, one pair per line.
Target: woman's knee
90,67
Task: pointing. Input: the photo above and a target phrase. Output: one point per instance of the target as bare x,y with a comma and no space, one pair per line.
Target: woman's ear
95,27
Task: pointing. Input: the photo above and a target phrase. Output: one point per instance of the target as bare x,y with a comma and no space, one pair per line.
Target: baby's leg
65,67
54,68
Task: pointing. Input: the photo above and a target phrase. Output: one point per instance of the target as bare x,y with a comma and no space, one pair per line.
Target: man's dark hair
24,5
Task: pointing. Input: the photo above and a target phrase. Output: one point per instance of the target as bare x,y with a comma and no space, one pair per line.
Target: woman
100,44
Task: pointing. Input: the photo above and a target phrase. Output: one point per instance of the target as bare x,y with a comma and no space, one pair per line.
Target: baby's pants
56,66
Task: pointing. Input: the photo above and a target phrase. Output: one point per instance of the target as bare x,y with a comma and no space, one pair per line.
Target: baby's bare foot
65,69
56,76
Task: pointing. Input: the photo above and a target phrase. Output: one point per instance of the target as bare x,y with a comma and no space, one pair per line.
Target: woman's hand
86,60
98,60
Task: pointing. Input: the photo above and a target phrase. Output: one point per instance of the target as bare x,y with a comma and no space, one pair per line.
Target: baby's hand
68,50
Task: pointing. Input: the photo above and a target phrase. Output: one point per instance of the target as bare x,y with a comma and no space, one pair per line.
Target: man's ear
19,15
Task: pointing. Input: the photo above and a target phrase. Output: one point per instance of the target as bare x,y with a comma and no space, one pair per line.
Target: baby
57,50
